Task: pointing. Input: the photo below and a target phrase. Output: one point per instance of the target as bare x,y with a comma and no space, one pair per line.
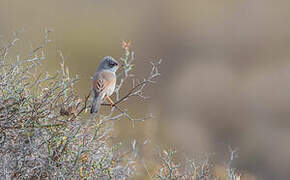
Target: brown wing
99,85
102,81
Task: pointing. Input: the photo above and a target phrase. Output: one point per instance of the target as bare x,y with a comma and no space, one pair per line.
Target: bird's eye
112,64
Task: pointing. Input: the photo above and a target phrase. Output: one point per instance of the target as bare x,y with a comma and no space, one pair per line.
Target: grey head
109,63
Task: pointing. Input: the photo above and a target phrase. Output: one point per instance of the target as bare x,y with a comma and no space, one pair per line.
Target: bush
198,167
45,128
46,132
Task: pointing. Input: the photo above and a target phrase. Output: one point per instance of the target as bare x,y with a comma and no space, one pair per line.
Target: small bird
104,81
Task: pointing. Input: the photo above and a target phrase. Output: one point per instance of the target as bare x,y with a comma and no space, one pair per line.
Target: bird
103,82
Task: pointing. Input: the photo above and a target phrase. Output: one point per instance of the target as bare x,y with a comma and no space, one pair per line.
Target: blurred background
225,72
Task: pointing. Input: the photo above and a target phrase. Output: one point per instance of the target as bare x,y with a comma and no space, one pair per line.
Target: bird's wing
102,85
102,81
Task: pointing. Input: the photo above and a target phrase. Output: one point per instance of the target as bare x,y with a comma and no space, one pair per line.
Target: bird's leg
111,101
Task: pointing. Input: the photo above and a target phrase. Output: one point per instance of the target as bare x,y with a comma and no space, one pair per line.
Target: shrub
46,131
198,167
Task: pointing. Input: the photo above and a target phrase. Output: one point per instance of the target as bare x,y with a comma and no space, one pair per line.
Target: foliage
45,130
197,168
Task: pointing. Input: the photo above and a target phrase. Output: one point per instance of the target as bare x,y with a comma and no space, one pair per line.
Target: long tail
96,104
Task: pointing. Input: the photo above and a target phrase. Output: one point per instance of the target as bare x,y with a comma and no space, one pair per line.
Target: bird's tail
95,105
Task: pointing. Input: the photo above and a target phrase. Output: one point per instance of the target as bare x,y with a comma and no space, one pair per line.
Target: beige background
225,75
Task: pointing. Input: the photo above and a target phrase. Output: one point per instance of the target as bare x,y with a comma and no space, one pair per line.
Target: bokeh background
225,72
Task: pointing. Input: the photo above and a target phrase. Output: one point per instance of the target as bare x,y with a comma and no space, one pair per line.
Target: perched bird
104,81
